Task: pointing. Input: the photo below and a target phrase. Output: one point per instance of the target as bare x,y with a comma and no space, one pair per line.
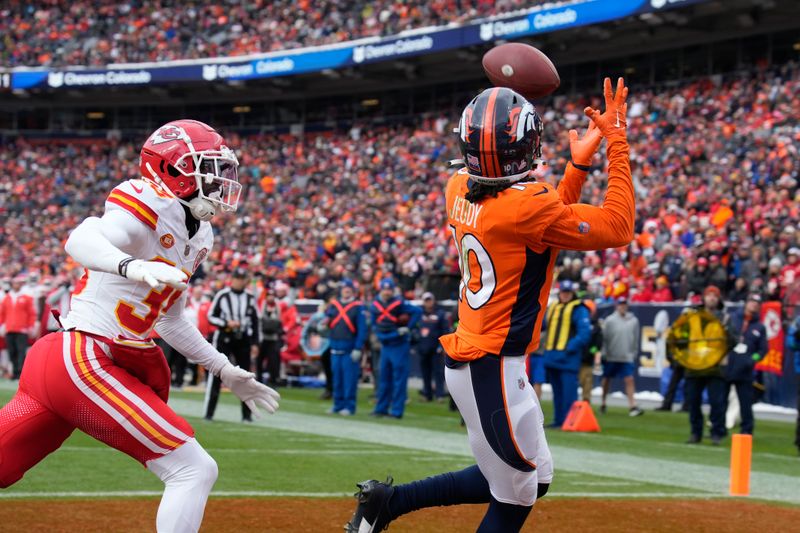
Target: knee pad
189,463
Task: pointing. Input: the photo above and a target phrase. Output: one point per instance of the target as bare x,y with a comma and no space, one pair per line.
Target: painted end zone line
279,494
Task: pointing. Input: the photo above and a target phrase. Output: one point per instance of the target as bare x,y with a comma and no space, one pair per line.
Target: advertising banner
313,59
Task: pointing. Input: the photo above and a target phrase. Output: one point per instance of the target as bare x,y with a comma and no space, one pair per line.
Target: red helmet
191,160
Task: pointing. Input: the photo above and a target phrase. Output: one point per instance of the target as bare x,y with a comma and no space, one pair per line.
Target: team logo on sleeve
167,240
583,228
521,383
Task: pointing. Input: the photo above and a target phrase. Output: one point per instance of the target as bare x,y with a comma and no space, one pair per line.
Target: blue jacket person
348,332
389,314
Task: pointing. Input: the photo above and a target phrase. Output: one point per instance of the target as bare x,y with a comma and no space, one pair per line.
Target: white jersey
113,306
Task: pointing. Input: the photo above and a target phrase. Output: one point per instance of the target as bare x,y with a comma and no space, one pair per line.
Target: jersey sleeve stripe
134,206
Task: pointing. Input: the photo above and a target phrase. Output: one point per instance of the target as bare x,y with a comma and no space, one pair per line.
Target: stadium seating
715,164
101,32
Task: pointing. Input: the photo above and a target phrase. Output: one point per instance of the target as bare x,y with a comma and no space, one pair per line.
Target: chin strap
200,208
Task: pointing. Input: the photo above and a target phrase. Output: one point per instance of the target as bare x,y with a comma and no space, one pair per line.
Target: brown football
523,68
404,319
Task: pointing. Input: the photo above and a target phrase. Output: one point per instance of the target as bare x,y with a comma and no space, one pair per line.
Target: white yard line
279,494
686,475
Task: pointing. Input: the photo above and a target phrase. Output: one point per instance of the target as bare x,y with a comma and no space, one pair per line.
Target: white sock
188,474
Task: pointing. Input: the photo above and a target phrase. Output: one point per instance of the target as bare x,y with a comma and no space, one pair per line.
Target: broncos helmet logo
464,128
521,120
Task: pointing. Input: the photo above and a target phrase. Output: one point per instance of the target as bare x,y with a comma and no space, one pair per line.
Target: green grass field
304,452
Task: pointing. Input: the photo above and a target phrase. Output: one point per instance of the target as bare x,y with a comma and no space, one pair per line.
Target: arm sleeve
569,190
100,244
182,335
583,329
214,314
586,227
636,337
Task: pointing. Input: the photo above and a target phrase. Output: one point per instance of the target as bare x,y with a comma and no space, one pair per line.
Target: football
523,68
403,320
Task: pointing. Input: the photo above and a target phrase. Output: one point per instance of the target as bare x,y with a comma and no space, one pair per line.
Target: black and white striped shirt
239,306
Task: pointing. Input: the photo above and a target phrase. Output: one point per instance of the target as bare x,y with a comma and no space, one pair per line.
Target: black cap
240,273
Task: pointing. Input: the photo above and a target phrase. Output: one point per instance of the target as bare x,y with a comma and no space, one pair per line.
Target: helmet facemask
216,175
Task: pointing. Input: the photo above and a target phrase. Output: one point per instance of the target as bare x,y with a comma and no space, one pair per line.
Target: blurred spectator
569,331
17,323
432,325
751,347
709,379
620,349
698,276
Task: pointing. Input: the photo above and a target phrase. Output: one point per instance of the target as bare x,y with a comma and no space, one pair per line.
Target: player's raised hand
154,273
582,149
613,121
254,394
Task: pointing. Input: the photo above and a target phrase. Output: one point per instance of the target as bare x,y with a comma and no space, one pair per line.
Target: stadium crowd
715,164
101,32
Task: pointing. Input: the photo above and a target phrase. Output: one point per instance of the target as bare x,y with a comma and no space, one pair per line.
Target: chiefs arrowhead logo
167,240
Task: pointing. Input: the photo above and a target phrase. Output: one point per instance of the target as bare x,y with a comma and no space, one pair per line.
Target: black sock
504,518
451,488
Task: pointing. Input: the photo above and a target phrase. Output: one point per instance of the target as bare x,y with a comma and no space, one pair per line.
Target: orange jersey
508,245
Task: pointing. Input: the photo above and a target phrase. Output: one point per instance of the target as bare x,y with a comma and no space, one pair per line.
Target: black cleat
372,511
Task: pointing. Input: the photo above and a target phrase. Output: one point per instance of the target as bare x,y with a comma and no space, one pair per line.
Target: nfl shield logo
209,72
55,79
487,31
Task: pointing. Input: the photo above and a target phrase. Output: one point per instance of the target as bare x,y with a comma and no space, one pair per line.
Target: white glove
244,385
355,355
155,274
402,331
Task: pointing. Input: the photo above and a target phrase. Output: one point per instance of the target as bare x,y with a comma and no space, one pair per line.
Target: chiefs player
101,373
508,230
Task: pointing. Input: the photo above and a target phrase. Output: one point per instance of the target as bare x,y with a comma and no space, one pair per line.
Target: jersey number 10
487,277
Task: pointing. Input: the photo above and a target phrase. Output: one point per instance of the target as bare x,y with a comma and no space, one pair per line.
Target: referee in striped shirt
234,313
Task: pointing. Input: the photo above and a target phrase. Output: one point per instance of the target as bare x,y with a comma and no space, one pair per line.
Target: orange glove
613,122
584,148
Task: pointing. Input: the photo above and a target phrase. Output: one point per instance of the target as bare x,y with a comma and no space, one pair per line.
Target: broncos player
102,374
508,230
